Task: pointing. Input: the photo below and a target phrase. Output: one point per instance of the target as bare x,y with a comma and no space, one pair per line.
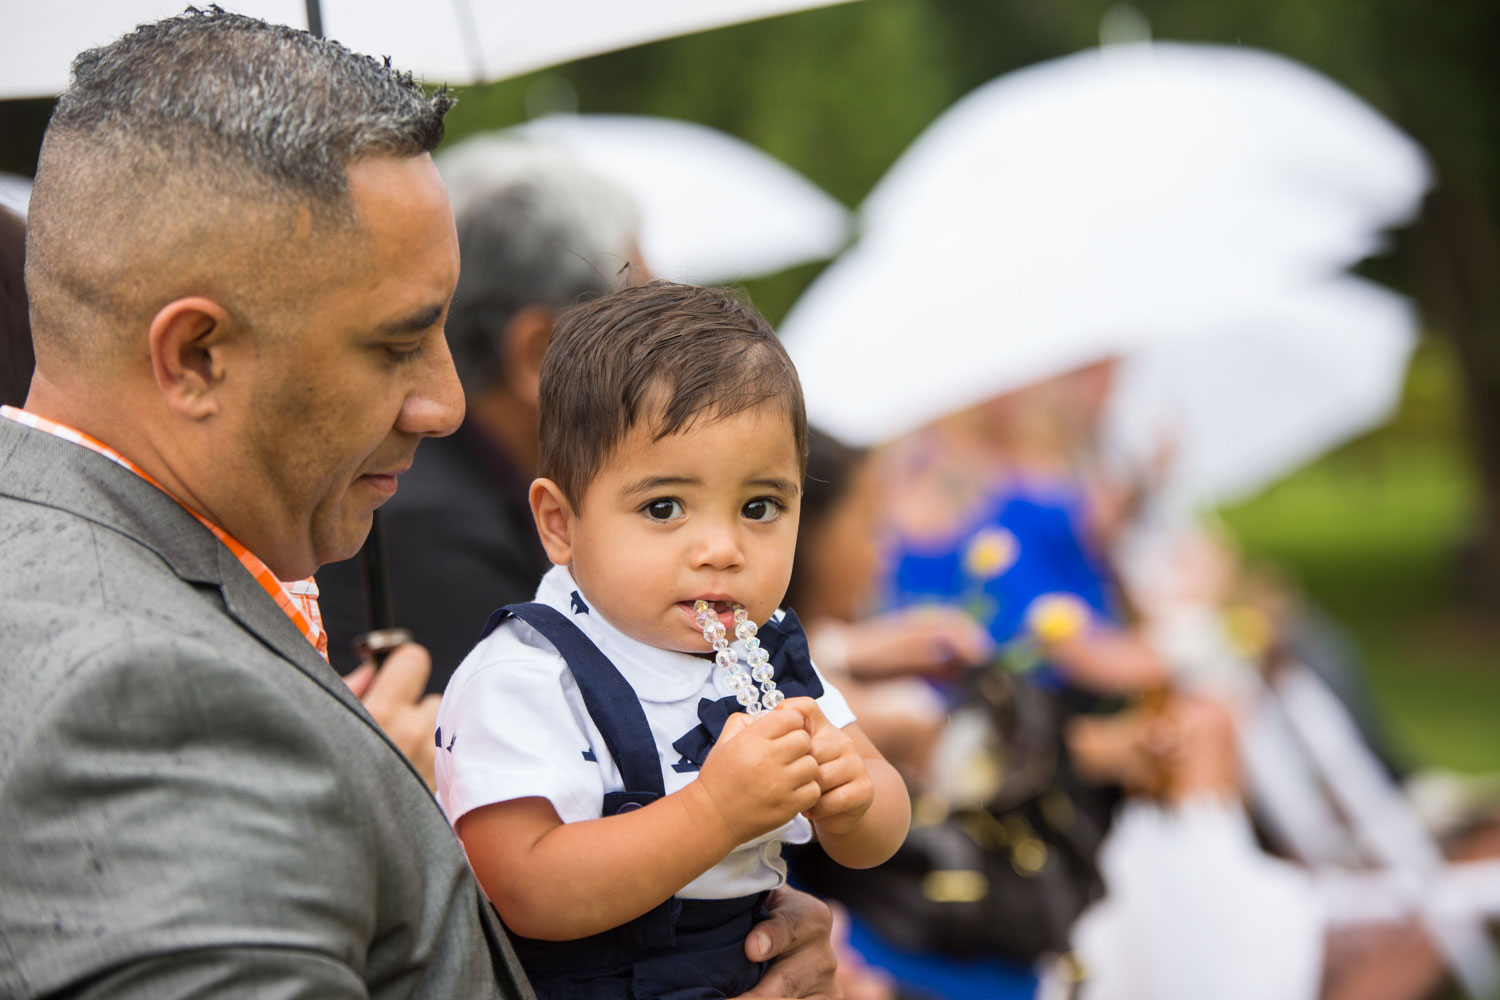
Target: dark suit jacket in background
191,801
460,542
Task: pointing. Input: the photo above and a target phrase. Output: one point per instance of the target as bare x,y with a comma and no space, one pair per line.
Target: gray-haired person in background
537,233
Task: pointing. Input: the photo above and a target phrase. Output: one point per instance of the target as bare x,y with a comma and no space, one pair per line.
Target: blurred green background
1397,534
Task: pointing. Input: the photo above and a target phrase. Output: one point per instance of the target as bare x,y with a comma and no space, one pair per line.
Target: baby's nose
719,547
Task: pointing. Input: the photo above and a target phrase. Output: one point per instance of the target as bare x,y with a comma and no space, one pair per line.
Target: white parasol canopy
714,207
1265,390
1086,208
455,41
1189,138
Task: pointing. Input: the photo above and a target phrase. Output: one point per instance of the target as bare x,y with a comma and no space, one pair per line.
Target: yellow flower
1251,630
1056,617
992,552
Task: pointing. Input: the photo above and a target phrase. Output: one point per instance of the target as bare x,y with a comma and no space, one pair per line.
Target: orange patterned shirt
298,598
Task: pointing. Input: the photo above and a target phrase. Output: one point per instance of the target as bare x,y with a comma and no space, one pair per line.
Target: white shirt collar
659,675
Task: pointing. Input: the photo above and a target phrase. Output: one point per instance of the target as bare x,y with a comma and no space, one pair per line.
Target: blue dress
1021,561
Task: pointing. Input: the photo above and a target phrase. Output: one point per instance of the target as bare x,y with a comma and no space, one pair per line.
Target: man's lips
385,482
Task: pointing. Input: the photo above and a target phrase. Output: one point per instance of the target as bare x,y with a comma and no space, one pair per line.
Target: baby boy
621,811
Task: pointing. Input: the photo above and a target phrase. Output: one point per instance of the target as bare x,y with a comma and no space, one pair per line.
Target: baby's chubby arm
864,811
561,881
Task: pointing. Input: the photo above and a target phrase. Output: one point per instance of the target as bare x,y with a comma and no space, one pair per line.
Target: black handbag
1001,862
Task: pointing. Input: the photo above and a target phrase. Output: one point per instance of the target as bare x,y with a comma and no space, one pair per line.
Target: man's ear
526,338
186,340
554,520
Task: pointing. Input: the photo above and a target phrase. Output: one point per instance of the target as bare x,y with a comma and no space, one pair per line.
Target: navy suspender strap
611,702
616,710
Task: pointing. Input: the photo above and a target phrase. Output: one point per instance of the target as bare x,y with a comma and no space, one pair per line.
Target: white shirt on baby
513,725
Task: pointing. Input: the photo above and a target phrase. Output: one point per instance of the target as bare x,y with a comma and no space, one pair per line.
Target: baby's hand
843,779
760,773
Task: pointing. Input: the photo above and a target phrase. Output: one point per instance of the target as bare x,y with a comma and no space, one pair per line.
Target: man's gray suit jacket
191,801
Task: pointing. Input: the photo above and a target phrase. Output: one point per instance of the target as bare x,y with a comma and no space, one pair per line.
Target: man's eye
762,509
404,355
663,510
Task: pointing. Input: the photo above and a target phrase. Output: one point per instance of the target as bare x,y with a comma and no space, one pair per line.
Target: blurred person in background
536,233
17,359
904,672
1030,532
990,515
885,659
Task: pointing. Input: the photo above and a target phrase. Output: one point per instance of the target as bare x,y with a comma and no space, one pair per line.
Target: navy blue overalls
684,949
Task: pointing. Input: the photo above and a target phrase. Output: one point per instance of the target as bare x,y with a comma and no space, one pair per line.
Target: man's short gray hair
177,161
284,104
534,228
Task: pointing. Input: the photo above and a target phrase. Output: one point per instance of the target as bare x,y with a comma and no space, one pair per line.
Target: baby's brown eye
761,509
663,510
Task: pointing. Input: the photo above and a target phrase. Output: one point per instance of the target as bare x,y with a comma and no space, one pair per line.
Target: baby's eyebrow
775,485
652,483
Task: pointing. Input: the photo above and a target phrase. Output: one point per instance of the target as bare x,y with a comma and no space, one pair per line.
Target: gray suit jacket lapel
91,486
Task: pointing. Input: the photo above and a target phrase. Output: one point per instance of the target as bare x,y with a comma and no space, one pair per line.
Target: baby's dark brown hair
662,352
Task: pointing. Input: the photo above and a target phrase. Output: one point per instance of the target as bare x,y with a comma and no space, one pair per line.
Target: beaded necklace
740,682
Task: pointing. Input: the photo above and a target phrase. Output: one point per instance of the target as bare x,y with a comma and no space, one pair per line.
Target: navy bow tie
787,645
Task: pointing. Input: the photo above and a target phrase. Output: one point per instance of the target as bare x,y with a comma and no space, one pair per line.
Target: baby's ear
554,520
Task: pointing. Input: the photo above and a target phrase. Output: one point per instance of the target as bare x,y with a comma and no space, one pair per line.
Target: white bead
752,643
738,682
772,698
747,696
763,672
717,628
720,643
757,656
744,630
740,614
726,658
755,710
708,634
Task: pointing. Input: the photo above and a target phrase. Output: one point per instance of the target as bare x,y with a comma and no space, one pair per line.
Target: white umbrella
1106,141
885,342
714,207
1266,390
15,193
455,42
1083,209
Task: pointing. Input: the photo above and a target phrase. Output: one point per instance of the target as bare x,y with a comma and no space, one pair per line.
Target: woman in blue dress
990,515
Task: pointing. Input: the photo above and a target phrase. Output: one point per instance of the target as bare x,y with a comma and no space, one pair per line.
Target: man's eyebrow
651,483
415,322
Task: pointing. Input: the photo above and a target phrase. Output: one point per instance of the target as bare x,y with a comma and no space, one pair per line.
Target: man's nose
435,406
